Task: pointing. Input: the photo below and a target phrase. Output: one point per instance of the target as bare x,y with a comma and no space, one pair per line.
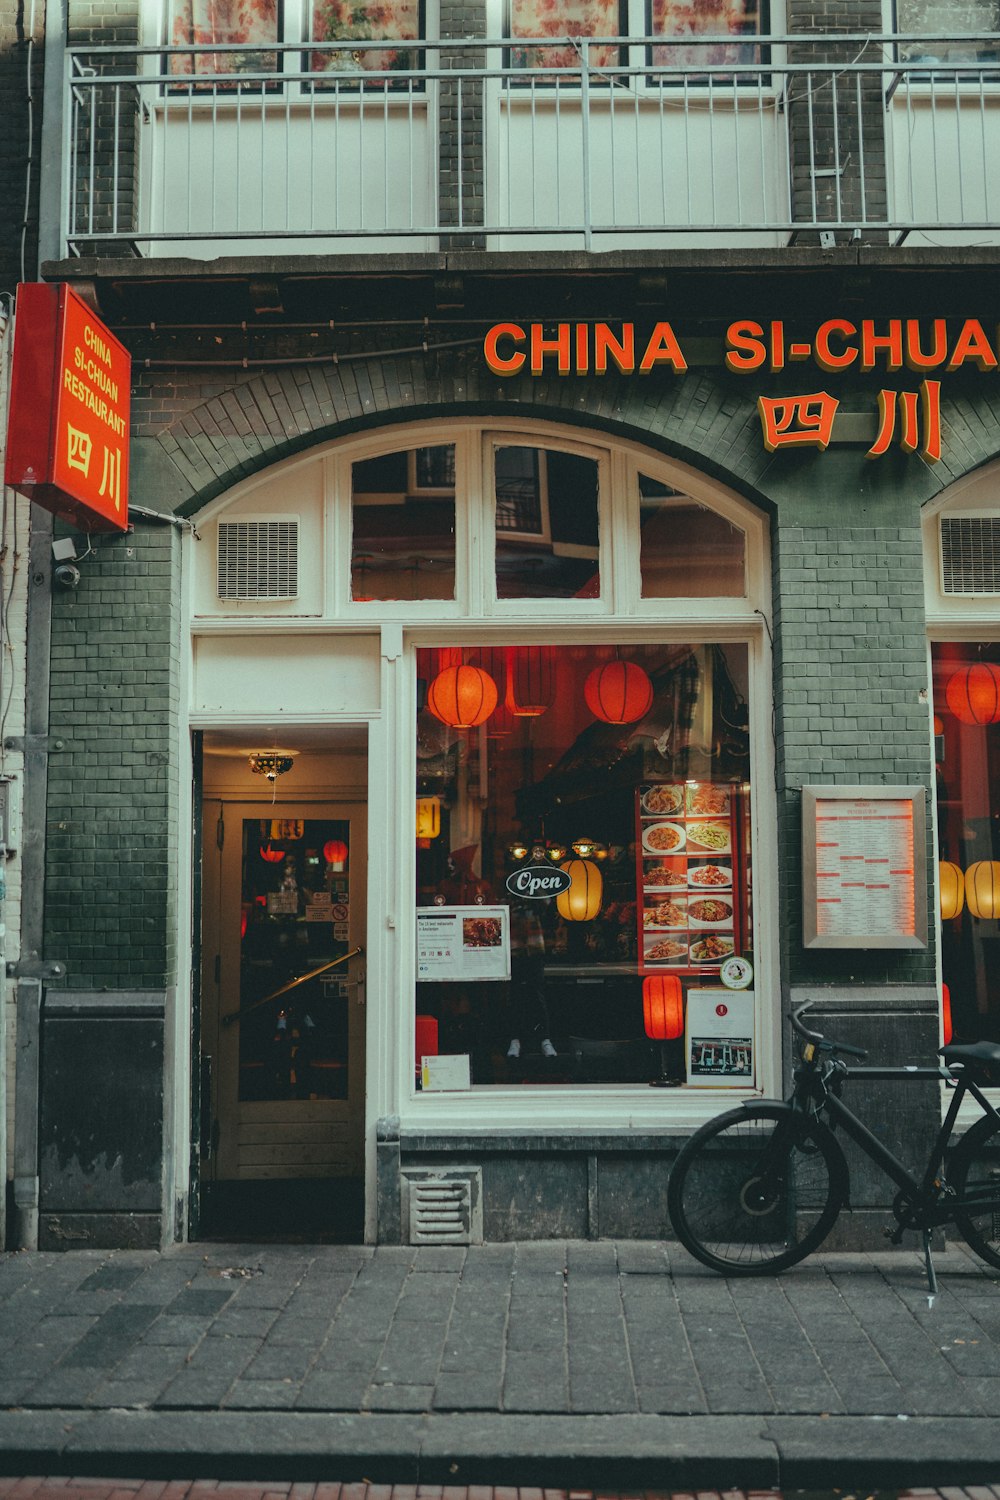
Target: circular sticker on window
736,973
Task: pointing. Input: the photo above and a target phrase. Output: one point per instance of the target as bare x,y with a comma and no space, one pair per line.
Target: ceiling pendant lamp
501,721
973,693
982,889
951,883
271,856
462,697
582,901
619,692
531,680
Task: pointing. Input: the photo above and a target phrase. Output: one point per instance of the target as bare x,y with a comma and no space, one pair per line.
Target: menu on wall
864,867
689,879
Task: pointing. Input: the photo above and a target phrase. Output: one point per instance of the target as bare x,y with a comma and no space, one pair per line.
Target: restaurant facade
526,675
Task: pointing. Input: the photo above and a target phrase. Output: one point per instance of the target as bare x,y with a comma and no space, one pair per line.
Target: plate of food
710,877
667,951
711,949
663,838
670,913
659,801
711,911
711,836
663,878
706,800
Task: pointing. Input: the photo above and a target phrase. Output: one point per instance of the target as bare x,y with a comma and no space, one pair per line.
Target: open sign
538,882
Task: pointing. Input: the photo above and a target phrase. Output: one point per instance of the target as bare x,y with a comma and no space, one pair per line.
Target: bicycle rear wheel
975,1173
757,1189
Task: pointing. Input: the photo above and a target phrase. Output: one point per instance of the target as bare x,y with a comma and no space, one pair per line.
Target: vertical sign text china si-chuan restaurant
68,442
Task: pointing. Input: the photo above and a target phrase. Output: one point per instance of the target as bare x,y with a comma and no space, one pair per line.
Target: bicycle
759,1188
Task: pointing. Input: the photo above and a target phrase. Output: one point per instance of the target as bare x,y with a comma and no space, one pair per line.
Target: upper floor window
936,20
567,22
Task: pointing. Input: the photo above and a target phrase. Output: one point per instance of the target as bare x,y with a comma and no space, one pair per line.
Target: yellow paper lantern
582,901
982,889
428,817
952,885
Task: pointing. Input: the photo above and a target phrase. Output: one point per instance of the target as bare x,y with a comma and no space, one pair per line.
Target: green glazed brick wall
113,814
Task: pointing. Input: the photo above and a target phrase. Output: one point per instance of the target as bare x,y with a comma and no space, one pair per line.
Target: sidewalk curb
716,1452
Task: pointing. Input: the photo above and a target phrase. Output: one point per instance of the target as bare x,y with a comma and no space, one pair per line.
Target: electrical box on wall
9,787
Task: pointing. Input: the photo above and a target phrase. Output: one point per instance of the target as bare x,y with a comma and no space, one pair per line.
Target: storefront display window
583,828
686,549
403,525
546,524
967,771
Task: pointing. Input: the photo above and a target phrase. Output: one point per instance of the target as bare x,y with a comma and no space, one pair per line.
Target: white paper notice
864,868
463,943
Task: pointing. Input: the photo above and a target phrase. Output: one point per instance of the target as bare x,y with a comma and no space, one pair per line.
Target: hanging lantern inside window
501,721
620,692
462,697
973,693
947,1030
531,682
582,901
663,1017
428,817
335,853
271,856
952,885
982,889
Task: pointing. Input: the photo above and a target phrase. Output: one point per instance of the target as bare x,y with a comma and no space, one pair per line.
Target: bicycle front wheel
757,1189
974,1173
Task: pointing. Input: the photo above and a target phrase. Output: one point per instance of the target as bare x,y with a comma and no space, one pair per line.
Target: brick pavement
380,1356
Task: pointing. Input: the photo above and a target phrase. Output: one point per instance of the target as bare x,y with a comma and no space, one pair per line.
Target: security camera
67,575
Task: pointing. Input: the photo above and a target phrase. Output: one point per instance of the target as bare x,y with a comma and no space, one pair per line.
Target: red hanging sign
68,437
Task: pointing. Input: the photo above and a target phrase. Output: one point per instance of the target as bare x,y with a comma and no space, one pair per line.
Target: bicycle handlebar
818,1039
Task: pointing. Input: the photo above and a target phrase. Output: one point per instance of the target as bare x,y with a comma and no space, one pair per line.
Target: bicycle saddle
985,1055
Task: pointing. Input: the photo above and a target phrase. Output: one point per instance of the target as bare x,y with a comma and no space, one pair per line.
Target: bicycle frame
823,1098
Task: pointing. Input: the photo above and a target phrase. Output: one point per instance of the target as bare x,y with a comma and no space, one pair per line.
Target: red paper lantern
619,692
531,685
462,696
973,693
271,856
426,1037
335,852
662,1007
947,1030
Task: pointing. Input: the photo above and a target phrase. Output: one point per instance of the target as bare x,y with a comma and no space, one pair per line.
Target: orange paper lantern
973,693
620,692
982,889
951,883
582,901
662,1007
335,852
947,1030
462,697
271,856
530,681
426,1037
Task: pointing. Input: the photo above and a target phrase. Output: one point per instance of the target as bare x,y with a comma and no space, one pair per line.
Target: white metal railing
624,140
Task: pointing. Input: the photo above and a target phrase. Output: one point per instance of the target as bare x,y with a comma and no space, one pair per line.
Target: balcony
586,143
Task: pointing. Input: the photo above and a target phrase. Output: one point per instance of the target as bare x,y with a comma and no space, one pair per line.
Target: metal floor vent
443,1208
258,559
970,554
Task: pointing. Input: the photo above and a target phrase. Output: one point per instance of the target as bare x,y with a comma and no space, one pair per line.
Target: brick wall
21,64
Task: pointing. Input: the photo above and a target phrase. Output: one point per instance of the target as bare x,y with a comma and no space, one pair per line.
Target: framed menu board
864,867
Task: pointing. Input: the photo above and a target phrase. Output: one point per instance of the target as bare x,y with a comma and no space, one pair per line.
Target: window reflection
403,517
687,550
644,810
546,524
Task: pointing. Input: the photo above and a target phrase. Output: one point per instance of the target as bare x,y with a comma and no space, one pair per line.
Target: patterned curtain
204,23
563,20
379,21
696,18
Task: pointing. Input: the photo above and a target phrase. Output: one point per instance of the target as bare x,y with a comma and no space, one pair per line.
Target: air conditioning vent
258,559
443,1208
970,554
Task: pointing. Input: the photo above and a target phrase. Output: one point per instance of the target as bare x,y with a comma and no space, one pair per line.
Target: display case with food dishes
711,949
706,799
710,911
660,801
670,912
664,875
713,837
663,838
668,950
713,877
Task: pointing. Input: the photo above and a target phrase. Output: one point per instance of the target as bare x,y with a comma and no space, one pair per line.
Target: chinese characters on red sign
68,447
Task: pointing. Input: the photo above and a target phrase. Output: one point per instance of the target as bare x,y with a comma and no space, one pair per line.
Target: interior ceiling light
270,763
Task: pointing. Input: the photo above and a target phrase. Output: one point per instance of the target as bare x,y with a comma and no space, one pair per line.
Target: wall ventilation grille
970,554
443,1208
258,559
